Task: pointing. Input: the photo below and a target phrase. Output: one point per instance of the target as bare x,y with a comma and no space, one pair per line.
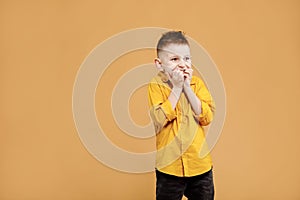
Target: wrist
186,85
176,89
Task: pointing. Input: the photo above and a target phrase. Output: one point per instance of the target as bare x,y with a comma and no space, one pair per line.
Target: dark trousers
169,187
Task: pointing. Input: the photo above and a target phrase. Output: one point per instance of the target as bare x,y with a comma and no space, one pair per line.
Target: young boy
180,105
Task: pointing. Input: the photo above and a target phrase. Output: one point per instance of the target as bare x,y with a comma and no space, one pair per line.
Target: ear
158,65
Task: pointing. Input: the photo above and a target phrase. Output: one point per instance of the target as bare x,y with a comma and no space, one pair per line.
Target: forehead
176,49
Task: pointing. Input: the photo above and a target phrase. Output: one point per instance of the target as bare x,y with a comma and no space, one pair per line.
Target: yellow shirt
179,132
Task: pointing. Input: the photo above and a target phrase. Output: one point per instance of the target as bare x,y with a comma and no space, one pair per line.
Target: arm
174,96
161,108
189,93
177,81
193,100
201,101
207,104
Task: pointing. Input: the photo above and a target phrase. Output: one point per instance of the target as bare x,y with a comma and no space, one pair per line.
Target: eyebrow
180,56
173,55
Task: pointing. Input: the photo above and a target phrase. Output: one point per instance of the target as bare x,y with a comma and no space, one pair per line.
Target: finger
187,74
190,71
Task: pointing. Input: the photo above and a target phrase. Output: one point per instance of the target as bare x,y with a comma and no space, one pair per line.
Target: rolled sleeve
161,110
207,114
161,115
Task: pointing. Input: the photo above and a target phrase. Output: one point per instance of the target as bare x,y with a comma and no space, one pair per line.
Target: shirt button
184,119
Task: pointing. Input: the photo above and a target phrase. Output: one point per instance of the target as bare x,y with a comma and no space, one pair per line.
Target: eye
174,59
187,58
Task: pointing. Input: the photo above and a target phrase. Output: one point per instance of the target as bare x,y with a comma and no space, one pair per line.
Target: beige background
255,44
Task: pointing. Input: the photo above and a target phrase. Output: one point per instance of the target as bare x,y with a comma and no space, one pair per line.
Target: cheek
169,70
170,67
173,66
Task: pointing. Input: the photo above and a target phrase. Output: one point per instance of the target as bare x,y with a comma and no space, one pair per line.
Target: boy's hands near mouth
187,73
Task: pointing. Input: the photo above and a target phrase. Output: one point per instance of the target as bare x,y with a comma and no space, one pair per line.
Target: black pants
169,187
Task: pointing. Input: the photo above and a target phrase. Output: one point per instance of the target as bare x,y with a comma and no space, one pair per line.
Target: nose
182,64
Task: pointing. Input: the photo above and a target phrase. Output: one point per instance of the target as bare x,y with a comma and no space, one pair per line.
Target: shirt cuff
206,115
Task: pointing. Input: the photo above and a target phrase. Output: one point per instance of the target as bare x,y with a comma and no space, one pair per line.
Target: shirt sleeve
207,104
161,110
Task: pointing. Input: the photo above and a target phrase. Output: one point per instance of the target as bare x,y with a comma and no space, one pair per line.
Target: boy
180,105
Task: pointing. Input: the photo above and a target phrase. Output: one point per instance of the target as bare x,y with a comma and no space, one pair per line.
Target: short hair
171,37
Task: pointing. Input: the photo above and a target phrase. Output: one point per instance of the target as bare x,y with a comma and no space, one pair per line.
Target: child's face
174,56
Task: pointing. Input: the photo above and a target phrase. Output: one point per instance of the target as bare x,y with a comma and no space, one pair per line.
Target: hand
177,78
187,73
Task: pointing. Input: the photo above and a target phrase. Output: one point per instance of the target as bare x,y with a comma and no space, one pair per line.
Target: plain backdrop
255,44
